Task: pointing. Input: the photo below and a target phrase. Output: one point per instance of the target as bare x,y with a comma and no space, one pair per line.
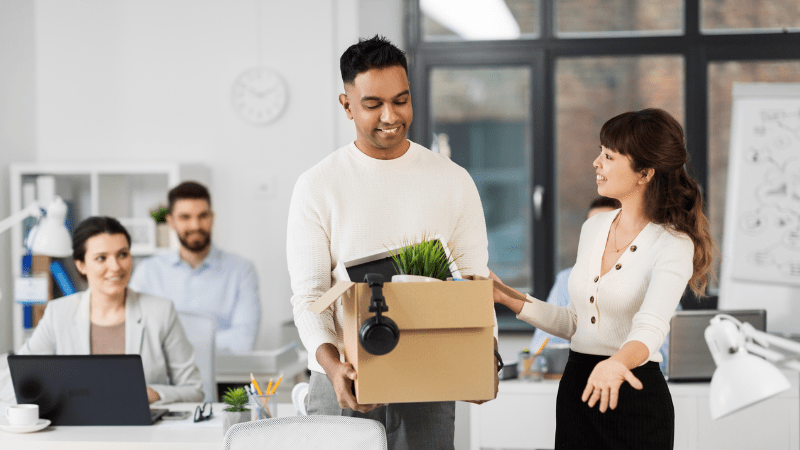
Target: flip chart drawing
762,232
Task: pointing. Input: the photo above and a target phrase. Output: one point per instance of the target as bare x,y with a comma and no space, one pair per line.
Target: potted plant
424,261
162,229
237,411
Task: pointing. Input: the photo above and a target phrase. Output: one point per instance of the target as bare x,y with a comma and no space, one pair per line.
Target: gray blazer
152,330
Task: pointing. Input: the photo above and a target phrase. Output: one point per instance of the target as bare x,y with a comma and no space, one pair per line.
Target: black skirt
643,419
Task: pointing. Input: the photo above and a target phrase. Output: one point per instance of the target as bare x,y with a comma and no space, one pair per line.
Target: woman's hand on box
504,299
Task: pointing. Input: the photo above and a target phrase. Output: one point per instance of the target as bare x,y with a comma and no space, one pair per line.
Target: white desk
523,417
165,434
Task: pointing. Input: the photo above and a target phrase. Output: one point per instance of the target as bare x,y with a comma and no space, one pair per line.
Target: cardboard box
445,351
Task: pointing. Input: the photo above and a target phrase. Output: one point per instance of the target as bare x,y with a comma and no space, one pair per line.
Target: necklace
617,250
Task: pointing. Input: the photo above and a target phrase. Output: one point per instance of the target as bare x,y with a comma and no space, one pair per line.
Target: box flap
327,299
445,305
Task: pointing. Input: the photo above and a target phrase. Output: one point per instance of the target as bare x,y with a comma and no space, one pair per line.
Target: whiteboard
761,244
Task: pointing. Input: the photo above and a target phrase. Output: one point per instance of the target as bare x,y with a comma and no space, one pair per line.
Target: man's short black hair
374,53
188,190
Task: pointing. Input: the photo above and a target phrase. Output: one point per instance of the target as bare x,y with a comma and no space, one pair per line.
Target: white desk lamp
50,236
742,378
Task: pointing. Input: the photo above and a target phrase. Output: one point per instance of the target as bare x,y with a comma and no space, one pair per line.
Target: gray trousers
414,426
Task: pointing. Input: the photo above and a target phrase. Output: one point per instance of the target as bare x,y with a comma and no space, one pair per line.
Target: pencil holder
524,366
262,407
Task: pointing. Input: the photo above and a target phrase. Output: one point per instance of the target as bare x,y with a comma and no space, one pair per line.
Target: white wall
150,80
384,17
17,126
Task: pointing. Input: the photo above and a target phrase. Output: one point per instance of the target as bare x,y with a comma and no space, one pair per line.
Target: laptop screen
689,357
83,389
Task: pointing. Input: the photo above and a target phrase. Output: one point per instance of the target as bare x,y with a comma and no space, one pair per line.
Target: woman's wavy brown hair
653,139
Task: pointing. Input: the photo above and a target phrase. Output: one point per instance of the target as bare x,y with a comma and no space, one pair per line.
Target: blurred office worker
200,277
110,318
364,197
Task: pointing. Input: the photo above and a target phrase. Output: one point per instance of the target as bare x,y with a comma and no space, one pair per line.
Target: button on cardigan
635,302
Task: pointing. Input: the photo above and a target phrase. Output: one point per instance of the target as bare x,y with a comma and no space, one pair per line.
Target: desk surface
523,417
165,434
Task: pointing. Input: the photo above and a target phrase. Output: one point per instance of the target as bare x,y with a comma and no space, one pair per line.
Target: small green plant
426,258
160,214
237,399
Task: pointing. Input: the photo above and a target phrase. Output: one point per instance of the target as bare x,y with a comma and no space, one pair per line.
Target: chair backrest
201,330
307,433
299,395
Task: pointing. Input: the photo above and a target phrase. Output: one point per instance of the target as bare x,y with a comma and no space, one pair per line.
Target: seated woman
109,318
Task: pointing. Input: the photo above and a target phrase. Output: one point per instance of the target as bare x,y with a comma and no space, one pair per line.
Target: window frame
540,54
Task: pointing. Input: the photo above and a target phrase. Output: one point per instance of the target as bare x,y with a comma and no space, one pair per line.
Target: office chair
299,395
307,433
201,330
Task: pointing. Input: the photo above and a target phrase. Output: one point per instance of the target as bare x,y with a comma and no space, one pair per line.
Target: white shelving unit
121,190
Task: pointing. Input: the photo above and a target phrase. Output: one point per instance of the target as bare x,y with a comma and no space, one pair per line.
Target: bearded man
200,277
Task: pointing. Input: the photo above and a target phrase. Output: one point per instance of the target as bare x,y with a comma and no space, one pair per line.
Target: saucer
40,425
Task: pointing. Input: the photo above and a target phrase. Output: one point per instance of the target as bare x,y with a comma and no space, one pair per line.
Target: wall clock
259,95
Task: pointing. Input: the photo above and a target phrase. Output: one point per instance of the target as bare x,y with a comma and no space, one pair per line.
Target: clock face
259,96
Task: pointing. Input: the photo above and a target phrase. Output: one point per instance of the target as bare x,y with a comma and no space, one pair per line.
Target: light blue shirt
559,295
223,285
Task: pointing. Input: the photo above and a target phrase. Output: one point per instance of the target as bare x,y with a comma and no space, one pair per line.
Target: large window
589,91
749,16
606,18
586,61
485,114
454,20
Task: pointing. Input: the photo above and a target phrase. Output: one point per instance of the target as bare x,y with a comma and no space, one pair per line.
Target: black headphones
378,334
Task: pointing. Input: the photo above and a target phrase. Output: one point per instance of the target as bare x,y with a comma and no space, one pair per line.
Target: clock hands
260,93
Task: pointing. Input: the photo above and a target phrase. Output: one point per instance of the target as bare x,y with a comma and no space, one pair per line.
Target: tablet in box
381,262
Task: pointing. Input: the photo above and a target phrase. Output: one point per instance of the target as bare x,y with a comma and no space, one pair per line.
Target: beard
197,245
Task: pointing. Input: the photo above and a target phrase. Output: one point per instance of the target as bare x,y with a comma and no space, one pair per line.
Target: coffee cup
22,415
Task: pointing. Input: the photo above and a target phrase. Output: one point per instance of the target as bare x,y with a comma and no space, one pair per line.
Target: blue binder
62,279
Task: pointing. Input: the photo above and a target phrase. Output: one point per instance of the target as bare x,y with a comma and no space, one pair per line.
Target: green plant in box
236,399
160,214
427,259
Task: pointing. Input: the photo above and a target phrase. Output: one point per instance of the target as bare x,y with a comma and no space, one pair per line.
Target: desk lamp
742,378
50,236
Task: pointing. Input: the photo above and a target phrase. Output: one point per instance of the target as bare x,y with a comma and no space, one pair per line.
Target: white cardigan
634,301
152,330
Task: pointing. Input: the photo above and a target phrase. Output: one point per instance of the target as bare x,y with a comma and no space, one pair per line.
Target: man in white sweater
371,194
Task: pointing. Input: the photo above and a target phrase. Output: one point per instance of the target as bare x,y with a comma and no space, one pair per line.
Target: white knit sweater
350,204
634,301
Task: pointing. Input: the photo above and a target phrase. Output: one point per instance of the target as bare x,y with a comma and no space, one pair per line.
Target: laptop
84,389
689,357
